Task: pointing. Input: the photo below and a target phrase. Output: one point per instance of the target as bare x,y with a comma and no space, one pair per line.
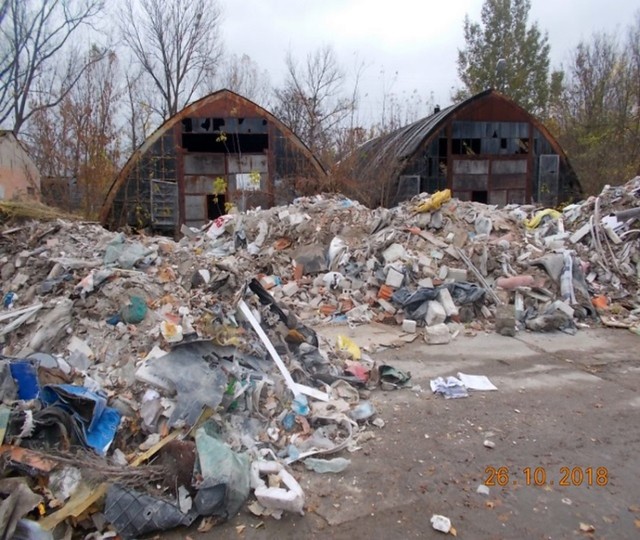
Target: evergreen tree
506,53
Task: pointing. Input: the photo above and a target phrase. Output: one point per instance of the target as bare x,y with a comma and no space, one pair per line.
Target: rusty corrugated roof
403,142
390,151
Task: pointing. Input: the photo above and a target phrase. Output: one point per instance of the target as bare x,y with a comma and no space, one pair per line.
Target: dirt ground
566,408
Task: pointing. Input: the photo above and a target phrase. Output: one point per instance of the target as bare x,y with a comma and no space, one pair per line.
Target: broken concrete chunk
444,297
426,283
506,320
409,326
393,253
290,288
458,274
395,275
437,335
436,313
388,307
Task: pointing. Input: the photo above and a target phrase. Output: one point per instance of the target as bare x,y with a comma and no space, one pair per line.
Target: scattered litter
456,387
133,514
346,344
205,350
289,498
450,388
441,523
363,411
392,378
587,528
334,465
225,475
476,382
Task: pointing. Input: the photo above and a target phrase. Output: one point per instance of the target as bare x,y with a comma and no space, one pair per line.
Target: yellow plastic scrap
535,220
346,344
435,201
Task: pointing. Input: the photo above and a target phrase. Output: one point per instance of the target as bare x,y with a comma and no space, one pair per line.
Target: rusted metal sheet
470,182
469,166
509,166
203,164
508,181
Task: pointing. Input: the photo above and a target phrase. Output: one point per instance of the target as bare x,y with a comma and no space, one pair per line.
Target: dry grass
16,211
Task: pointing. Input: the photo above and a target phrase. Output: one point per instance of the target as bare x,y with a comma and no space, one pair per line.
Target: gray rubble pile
200,363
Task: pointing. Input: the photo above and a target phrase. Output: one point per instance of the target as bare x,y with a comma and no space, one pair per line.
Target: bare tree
598,118
77,144
242,75
35,35
140,113
176,43
312,101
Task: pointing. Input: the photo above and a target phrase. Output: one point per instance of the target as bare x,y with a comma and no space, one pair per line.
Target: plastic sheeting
133,513
190,371
224,471
416,304
96,423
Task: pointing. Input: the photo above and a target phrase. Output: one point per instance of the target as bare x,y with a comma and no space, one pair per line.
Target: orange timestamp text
538,476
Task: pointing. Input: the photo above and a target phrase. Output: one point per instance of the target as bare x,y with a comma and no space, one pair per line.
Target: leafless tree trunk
34,36
312,101
140,114
177,44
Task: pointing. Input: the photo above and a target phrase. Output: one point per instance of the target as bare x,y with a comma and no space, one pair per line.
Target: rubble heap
196,363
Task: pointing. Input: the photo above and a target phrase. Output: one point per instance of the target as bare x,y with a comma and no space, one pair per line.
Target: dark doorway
480,196
215,206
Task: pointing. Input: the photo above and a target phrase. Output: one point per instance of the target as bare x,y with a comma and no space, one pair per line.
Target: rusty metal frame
401,145
190,111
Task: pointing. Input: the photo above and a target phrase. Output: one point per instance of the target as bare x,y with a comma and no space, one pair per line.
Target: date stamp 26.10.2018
541,476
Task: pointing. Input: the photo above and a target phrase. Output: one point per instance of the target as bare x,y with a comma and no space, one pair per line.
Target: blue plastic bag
96,421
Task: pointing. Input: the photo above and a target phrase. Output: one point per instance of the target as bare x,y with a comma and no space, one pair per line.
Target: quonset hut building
221,149
486,149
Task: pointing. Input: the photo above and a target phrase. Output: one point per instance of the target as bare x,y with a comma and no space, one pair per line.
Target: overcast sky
418,39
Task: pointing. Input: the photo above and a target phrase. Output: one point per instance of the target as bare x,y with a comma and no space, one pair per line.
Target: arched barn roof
398,151
233,105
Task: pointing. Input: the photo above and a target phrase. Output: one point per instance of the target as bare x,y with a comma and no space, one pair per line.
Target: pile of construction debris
141,372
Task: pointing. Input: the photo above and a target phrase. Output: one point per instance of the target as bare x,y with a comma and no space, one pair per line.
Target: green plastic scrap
134,311
219,465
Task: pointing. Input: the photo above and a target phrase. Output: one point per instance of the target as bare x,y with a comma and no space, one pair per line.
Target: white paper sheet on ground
450,388
476,382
